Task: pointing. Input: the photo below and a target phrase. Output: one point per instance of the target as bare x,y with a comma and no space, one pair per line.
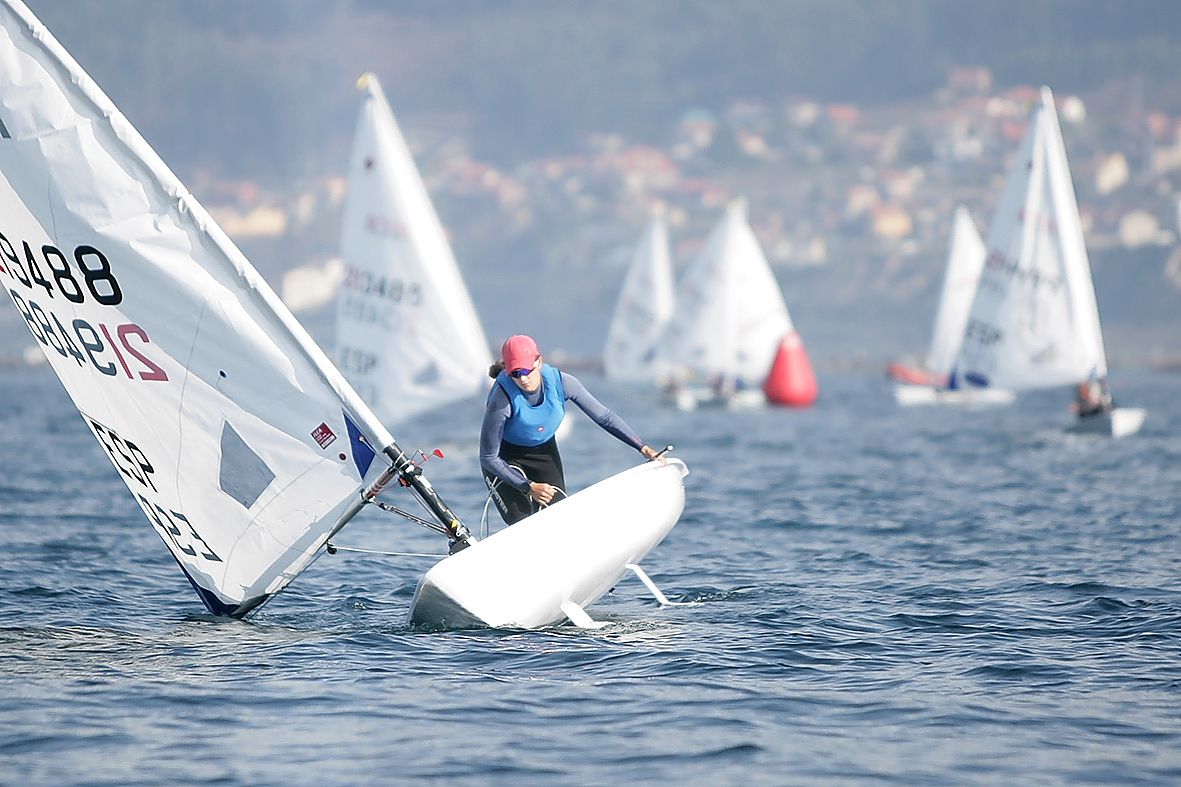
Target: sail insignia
363,453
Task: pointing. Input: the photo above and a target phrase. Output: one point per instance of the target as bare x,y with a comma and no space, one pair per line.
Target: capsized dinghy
243,444
552,565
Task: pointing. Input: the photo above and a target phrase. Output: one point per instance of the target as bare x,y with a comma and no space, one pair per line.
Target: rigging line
411,476
435,526
422,504
333,549
493,485
484,516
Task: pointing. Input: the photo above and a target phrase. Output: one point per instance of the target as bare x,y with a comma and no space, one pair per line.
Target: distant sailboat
731,340
407,335
644,307
928,384
243,444
1034,322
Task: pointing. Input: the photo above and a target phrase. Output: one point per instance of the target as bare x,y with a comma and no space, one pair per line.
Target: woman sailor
518,452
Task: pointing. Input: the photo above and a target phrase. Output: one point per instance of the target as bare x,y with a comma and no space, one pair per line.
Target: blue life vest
528,425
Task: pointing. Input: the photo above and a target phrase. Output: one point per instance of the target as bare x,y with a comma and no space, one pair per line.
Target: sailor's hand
651,453
542,493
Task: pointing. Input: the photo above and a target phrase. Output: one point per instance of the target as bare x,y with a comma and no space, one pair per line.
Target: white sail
645,305
407,335
1034,321
730,316
965,258
238,438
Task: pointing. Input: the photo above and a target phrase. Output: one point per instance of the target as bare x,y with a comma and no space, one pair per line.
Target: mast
410,475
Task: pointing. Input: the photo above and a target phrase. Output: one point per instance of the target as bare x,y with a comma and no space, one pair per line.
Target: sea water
877,594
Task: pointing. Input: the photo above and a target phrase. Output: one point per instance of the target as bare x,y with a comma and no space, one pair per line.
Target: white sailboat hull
688,399
912,395
1120,422
570,553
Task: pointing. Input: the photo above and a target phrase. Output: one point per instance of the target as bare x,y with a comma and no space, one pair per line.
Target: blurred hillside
524,78
546,131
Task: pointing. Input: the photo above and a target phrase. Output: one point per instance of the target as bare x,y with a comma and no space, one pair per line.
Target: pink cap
519,352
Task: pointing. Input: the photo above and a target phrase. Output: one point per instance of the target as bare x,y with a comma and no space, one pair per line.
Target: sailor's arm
491,435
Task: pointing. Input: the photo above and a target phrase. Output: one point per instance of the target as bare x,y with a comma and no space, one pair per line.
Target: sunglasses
519,373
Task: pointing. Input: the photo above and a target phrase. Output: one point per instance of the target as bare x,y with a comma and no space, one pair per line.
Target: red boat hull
909,374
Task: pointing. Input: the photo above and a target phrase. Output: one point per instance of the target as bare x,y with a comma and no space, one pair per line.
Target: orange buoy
791,382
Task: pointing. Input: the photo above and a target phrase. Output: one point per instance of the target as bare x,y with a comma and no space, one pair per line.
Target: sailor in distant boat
1092,398
518,452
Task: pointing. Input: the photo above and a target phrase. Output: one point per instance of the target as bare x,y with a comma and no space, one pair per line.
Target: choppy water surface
880,594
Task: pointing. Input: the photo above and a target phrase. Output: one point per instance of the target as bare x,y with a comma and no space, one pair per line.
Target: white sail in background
645,305
407,335
238,438
1034,321
965,258
730,316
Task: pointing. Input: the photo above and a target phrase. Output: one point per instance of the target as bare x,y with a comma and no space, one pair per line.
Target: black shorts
541,464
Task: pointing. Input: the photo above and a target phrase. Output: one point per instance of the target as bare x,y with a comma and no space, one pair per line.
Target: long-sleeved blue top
499,410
